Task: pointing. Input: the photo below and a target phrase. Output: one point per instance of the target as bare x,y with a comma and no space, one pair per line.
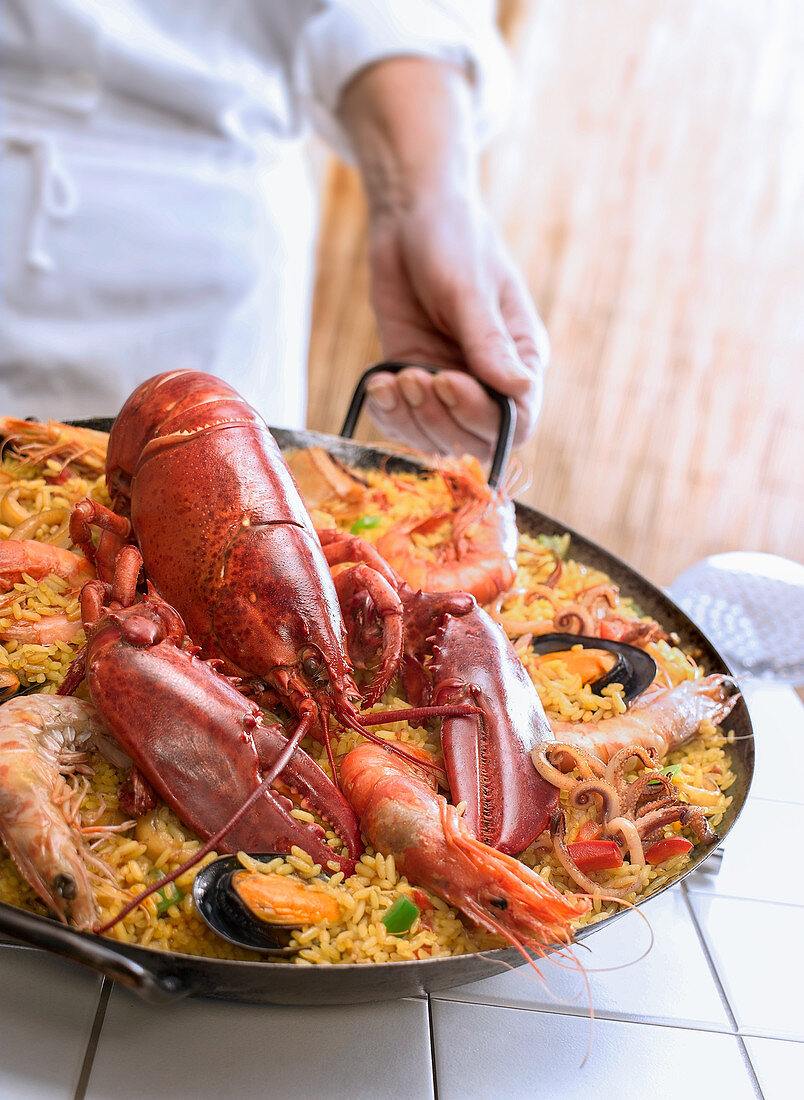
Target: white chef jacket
156,205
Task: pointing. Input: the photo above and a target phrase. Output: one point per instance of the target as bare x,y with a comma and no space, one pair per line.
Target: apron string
54,194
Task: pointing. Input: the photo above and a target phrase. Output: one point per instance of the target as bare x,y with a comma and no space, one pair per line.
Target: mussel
254,910
633,668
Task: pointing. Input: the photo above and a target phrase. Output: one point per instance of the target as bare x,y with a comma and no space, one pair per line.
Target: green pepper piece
176,894
400,916
559,544
670,770
365,523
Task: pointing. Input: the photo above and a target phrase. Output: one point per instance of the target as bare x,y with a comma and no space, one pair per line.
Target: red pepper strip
612,631
665,849
64,474
421,899
595,855
590,830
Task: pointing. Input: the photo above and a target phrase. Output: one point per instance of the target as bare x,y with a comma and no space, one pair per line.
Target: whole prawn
401,815
27,557
41,736
660,720
480,557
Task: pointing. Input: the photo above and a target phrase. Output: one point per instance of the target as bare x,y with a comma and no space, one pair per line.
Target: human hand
444,289
446,292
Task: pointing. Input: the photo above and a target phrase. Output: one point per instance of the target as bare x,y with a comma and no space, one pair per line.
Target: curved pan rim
160,976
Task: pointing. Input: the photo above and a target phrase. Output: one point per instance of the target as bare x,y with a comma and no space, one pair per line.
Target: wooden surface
650,184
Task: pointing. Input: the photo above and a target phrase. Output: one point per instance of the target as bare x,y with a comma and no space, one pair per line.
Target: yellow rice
160,843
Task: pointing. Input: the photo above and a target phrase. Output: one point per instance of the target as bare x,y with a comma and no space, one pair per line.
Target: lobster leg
349,585
339,548
115,533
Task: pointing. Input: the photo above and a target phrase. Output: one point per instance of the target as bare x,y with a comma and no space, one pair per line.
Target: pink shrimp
402,816
45,631
660,720
480,557
84,448
41,737
39,560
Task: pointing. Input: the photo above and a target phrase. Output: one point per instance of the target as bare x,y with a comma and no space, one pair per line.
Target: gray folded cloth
751,607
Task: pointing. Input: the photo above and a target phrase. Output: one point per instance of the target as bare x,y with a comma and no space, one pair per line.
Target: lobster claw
487,757
200,744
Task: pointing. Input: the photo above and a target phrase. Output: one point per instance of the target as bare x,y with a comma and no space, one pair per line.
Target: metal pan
160,976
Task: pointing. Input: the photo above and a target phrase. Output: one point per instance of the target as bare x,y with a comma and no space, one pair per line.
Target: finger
468,405
392,414
422,420
492,356
533,347
443,424
487,346
523,322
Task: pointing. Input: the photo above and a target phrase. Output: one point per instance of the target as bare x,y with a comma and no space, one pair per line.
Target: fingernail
516,368
382,395
445,390
411,391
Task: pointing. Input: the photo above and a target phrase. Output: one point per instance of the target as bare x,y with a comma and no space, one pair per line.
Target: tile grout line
107,985
610,1016
625,1018
431,1029
697,891
749,1065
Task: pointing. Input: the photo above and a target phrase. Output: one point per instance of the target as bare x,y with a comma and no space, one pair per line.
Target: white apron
145,226
101,295
156,210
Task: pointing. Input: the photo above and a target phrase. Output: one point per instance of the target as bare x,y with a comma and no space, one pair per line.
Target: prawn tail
724,694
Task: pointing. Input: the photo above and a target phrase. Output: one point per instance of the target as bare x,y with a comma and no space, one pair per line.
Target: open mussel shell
226,914
634,668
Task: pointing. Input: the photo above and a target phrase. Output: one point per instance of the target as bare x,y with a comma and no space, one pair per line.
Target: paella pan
159,974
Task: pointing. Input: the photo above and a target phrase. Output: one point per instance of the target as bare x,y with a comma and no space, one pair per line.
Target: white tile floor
715,1009
211,1049
487,1051
47,1008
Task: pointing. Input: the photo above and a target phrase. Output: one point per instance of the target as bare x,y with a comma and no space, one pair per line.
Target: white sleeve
348,35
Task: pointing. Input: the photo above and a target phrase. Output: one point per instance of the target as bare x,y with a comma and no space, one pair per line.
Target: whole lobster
198,481
226,540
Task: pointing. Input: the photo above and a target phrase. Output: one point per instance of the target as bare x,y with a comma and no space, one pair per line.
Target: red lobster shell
227,541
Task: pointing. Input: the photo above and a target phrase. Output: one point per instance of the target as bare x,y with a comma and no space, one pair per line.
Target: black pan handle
90,951
505,436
